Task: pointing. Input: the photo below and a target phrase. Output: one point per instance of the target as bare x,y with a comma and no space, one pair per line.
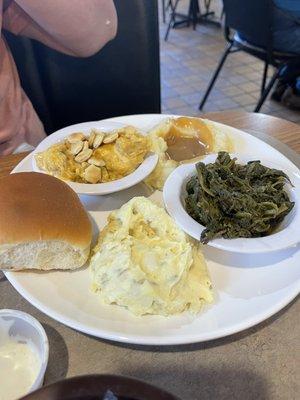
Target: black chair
252,19
194,15
166,5
123,78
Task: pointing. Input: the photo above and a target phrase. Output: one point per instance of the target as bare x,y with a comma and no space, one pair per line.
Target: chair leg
170,5
267,90
190,13
263,83
164,10
194,13
207,6
215,76
172,19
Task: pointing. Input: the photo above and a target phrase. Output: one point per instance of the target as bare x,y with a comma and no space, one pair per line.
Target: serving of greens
235,201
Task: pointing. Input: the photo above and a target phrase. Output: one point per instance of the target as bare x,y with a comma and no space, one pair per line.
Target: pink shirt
75,27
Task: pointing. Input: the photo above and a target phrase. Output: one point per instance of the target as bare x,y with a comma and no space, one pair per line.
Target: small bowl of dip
24,351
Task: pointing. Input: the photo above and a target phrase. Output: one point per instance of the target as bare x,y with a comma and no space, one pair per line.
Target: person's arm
75,27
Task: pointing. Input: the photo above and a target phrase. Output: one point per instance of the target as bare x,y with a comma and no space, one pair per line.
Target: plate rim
293,291
154,340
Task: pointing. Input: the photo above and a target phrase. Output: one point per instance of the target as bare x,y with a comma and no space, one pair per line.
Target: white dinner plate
286,234
247,289
143,170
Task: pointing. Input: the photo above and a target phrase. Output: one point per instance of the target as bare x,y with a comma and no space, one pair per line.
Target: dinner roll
43,224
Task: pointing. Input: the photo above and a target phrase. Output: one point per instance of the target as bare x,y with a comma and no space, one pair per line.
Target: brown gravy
188,138
184,148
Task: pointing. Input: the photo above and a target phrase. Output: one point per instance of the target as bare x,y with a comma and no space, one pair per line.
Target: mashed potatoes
194,138
144,262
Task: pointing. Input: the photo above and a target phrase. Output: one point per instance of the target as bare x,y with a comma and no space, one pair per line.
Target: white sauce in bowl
19,366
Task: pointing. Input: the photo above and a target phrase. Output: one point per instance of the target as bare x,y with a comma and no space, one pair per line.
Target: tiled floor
188,60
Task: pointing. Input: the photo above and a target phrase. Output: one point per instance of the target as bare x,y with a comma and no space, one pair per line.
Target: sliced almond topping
111,137
76,147
98,140
75,137
96,161
92,137
93,174
85,145
84,155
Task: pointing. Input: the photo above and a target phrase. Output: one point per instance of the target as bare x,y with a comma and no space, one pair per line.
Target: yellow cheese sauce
19,366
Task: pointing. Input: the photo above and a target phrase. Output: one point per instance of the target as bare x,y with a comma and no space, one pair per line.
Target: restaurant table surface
262,362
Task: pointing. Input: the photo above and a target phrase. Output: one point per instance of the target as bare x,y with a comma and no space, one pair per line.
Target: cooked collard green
234,201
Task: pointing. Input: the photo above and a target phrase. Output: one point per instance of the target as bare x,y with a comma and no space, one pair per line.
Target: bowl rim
44,357
281,240
148,164
121,381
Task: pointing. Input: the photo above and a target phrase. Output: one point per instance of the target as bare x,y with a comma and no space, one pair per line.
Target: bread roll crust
38,207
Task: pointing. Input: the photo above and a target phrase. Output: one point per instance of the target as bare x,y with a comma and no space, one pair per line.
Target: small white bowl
27,329
286,235
143,170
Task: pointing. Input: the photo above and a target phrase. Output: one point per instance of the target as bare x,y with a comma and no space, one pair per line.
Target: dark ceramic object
100,387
